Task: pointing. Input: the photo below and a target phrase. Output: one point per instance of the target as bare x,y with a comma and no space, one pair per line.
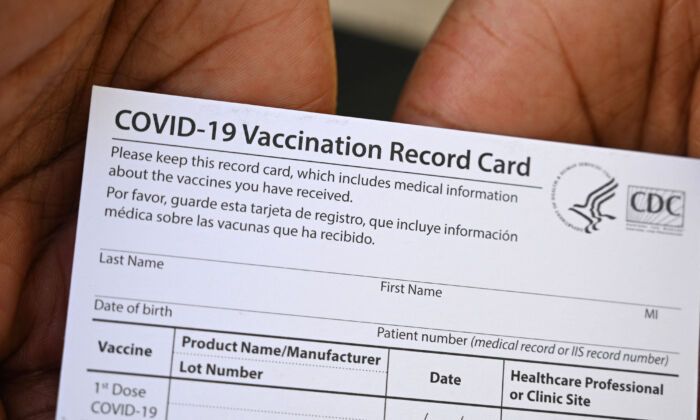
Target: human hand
275,52
613,73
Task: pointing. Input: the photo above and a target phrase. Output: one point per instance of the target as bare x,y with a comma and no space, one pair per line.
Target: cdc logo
655,206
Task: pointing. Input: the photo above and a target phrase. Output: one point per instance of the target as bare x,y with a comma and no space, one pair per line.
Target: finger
569,71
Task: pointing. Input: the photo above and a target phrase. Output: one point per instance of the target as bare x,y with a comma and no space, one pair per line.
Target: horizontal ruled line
374,346
337,273
355,394
319,162
355,321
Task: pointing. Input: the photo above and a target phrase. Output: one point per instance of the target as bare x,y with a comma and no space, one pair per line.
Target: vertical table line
503,381
170,374
386,384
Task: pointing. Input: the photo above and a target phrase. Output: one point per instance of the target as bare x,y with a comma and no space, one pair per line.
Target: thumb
595,72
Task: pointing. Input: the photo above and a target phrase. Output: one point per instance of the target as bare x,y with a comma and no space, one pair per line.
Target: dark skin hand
620,74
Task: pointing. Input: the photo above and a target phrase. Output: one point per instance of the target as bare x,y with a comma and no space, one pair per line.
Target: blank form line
354,321
318,162
337,273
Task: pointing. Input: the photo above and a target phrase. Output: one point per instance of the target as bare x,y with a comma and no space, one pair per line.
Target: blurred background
377,42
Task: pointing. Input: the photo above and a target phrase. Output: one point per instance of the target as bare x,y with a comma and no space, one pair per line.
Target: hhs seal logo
581,194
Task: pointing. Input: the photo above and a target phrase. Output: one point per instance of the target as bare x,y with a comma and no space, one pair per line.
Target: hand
614,73
271,52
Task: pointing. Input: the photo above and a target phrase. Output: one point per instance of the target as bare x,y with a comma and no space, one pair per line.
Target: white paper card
242,262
